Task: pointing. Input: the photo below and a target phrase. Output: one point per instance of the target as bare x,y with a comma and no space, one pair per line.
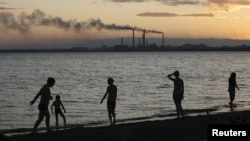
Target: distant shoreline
129,49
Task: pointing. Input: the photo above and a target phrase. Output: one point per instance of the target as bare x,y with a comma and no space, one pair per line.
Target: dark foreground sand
188,129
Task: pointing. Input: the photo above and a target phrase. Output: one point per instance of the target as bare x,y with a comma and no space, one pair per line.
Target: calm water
143,88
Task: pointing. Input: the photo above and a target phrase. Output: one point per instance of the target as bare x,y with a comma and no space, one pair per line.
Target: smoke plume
23,23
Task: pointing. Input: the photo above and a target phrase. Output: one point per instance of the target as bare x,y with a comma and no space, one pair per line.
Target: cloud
228,5
166,14
7,8
131,0
167,2
180,2
213,4
230,2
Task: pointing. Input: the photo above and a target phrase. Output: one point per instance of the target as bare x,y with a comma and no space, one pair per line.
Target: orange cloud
227,5
7,8
165,14
130,0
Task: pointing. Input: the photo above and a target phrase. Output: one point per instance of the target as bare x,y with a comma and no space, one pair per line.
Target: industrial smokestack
162,39
121,41
139,42
143,38
133,38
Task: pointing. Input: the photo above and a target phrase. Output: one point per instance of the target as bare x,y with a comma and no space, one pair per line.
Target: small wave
70,101
164,86
199,110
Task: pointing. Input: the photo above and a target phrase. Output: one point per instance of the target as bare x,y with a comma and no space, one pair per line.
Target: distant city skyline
75,23
97,43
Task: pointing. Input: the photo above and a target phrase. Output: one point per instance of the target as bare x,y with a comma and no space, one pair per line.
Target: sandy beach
191,128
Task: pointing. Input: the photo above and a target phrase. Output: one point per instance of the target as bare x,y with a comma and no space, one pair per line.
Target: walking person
111,92
45,95
178,92
231,88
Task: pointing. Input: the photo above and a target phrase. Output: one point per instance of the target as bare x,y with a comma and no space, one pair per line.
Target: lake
144,91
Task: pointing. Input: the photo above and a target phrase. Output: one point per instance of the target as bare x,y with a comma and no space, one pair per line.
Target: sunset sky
75,21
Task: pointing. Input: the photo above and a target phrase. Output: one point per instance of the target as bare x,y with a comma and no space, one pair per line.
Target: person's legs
177,106
110,118
113,112
109,113
39,120
56,115
47,121
232,96
181,109
64,119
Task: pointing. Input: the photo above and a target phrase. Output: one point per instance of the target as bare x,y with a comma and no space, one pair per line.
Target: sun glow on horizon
42,22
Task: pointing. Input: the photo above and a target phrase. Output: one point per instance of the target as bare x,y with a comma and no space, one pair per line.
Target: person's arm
63,107
228,84
169,76
237,86
35,98
105,95
182,90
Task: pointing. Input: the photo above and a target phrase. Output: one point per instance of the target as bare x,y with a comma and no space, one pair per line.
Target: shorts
111,106
177,98
58,111
42,107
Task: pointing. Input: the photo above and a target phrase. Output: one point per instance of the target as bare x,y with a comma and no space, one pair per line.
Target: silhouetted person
45,95
178,92
231,88
58,104
111,102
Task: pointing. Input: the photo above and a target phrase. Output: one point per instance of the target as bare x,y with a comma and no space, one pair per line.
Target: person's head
51,81
57,97
110,81
233,75
176,74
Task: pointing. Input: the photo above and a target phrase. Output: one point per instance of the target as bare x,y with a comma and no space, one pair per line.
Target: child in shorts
58,104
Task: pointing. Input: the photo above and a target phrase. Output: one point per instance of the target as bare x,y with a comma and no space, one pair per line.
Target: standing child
111,102
57,104
44,103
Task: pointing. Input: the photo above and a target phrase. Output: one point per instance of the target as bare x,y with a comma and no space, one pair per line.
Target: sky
73,22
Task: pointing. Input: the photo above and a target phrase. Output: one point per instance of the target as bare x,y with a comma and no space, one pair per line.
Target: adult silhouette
178,92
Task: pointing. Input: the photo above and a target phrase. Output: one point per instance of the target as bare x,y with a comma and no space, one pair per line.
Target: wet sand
191,128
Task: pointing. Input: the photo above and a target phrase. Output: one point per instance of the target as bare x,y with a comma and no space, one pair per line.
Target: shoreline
188,112
190,128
